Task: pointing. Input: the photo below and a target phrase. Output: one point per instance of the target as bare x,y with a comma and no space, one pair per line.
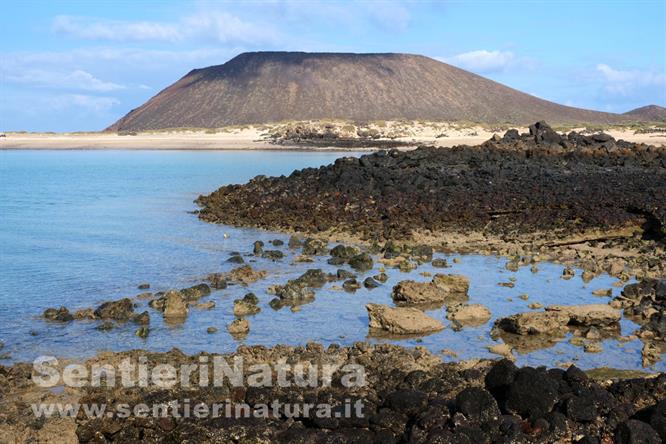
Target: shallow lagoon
82,227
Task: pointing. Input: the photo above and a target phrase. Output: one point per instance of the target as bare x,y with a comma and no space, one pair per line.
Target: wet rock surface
401,320
409,395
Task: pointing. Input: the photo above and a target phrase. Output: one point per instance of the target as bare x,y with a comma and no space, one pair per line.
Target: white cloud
77,79
218,26
484,61
91,103
625,82
87,28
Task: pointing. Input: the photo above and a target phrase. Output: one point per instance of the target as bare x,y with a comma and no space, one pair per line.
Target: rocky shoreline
584,201
409,395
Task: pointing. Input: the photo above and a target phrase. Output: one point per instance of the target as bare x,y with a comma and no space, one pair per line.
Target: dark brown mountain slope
653,113
262,87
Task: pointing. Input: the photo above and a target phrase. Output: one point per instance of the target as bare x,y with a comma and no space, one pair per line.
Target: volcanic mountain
653,113
263,87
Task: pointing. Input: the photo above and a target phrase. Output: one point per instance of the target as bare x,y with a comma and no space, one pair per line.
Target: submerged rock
85,313
442,288
351,285
598,315
175,306
294,242
468,314
245,275
195,292
344,252
361,262
235,259
315,247
218,280
121,310
401,320
412,292
454,283
534,323
440,263
273,255
242,308
61,314
142,332
239,327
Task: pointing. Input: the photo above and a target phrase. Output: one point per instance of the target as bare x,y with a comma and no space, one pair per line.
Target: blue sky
80,65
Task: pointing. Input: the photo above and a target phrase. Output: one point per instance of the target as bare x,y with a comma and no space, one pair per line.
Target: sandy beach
441,134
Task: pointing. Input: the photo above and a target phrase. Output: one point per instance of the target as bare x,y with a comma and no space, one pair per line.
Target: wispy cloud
75,80
221,27
625,82
88,102
92,29
483,61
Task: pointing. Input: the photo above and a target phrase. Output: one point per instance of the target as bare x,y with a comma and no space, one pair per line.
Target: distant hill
262,87
653,113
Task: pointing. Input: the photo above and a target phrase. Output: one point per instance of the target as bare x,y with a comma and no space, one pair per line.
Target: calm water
81,227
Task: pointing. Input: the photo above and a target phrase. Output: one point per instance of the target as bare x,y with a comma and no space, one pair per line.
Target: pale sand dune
255,138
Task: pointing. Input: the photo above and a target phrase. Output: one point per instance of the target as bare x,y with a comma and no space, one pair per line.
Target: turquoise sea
81,227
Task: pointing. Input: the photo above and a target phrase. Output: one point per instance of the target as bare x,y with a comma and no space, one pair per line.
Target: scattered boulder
370,283
634,431
468,314
121,310
455,283
477,404
421,253
245,275
603,292
344,274
142,332
258,248
314,247
568,273
175,306
195,292
211,330
144,286
239,327
61,314
531,394
361,262
246,306
142,318
534,323
294,242
411,292
218,280
381,277
85,313
442,288
235,259
344,252
440,263
598,315
274,255
351,285
401,320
